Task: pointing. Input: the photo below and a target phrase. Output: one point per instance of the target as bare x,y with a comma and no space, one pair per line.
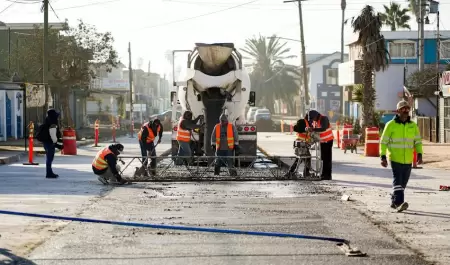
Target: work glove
419,159
120,180
159,141
384,162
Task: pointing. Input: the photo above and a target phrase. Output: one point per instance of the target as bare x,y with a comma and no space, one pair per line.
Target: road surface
288,207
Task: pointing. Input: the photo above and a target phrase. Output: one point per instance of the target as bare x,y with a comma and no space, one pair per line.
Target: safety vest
150,136
230,136
99,160
183,135
327,135
304,136
400,140
141,130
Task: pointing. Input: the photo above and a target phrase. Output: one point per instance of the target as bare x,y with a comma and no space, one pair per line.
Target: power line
202,15
6,8
90,4
32,2
53,10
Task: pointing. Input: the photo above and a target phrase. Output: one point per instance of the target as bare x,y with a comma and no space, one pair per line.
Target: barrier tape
175,227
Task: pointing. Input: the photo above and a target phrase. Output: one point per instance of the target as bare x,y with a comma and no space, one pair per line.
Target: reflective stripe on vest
183,135
327,135
230,136
304,136
141,130
99,161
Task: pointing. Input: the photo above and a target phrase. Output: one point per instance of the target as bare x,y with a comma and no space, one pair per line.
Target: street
272,206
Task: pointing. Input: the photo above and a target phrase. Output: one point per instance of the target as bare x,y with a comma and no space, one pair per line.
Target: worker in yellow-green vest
400,137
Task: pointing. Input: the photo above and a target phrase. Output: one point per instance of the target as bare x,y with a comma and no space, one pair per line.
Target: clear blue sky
154,26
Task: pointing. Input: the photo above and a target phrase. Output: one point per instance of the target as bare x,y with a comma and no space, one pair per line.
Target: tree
414,8
395,17
375,56
73,53
423,83
271,78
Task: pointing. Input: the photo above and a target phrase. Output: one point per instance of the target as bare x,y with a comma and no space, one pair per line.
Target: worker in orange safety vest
147,135
105,165
323,127
225,143
302,136
184,133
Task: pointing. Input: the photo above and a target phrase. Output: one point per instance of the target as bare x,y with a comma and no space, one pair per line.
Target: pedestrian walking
225,142
49,134
399,139
321,124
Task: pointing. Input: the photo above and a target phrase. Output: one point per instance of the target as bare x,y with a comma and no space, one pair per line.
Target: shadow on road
379,185
13,259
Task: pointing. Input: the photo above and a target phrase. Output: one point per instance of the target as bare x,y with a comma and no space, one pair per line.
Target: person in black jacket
50,135
146,136
321,124
105,165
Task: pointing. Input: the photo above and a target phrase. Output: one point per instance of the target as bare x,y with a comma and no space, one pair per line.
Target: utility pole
303,56
422,4
343,6
45,57
438,57
130,77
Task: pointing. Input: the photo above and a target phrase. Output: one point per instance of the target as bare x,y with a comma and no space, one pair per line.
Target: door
8,117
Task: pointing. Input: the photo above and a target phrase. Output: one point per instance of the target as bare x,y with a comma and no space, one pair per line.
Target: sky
155,26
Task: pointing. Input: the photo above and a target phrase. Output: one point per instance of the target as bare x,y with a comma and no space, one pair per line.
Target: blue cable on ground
175,227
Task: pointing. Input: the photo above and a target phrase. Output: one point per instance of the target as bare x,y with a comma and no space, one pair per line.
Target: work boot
52,176
289,174
216,171
402,207
103,180
233,172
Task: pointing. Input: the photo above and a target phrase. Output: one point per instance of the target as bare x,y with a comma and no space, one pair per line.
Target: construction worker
146,137
105,165
304,137
321,124
400,136
224,141
184,133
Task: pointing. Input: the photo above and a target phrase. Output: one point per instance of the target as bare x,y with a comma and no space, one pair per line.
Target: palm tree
374,55
414,7
395,17
270,77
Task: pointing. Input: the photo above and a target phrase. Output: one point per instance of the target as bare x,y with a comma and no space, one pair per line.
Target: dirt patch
436,156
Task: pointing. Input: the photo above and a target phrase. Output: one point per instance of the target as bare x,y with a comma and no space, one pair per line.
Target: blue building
403,47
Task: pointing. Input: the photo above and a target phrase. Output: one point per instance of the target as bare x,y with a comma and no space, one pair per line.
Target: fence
427,127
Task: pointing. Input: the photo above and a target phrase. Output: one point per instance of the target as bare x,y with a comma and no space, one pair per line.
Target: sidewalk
11,154
425,227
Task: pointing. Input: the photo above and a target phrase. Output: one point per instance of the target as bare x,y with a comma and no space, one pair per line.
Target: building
403,49
11,102
325,93
444,108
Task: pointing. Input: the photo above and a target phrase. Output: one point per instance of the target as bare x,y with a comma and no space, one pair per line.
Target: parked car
250,113
262,114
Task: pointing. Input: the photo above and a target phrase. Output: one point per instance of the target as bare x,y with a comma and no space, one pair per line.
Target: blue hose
175,227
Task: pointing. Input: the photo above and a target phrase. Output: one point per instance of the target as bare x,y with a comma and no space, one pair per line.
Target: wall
387,85
430,47
317,72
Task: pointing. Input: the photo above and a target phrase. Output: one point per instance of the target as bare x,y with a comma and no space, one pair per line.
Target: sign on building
444,84
35,95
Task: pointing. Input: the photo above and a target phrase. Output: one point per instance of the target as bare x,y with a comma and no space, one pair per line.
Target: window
402,49
445,49
332,76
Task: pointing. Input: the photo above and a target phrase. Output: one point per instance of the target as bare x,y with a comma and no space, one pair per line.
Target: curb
12,159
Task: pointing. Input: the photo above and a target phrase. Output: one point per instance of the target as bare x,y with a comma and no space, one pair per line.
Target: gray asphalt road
263,206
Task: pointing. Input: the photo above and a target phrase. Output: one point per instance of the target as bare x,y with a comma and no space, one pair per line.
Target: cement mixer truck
215,82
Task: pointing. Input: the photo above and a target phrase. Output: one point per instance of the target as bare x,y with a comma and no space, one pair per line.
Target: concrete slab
424,227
